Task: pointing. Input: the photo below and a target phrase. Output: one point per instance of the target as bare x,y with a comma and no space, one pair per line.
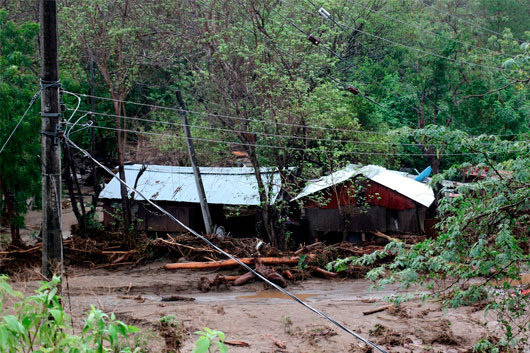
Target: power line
33,99
426,52
357,69
248,268
237,118
253,120
410,24
257,133
471,23
301,149
327,15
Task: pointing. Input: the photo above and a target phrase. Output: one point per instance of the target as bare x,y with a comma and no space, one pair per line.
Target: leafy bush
38,323
207,337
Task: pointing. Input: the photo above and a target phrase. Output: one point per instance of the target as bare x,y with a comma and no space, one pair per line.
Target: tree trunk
268,220
126,210
10,215
70,177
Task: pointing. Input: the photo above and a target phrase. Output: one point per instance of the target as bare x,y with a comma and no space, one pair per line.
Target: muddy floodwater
253,313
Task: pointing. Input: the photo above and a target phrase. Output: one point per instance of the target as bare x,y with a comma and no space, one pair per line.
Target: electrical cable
464,20
230,256
33,99
310,150
341,59
344,28
237,118
426,52
258,133
258,121
424,30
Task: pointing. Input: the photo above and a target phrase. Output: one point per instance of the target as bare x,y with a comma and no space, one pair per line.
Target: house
354,200
231,193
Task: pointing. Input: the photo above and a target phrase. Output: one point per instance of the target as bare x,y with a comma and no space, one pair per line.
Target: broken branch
377,310
278,343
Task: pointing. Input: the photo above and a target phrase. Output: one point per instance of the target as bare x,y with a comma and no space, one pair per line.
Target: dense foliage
19,163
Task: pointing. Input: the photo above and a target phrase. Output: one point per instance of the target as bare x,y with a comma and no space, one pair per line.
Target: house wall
352,193
346,208
241,224
148,218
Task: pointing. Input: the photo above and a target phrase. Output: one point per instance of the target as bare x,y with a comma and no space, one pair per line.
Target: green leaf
57,315
13,324
4,336
113,334
222,347
202,345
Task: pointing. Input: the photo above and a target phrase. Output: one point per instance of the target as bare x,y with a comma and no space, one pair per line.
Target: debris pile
115,249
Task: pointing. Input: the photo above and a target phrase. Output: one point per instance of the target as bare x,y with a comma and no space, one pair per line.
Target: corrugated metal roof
396,181
227,186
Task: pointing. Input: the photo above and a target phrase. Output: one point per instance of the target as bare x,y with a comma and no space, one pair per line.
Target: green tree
19,163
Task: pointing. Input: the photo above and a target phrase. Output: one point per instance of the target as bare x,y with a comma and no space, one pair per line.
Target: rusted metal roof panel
226,186
396,181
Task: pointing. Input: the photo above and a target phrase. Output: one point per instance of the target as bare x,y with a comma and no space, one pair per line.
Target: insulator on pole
324,13
313,39
353,90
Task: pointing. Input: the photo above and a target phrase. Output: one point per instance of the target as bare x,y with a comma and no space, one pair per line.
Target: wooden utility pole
52,245
196,172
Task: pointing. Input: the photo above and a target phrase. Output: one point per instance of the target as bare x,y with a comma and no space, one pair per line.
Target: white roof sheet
393,180
228,186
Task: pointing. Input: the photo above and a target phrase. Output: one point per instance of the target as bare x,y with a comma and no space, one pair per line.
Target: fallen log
244,279
270,274
228,263
377,310
324,272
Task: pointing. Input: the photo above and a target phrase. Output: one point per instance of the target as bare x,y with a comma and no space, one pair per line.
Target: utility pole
196,172
52,242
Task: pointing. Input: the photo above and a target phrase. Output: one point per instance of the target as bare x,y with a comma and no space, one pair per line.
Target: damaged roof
226,186
394,180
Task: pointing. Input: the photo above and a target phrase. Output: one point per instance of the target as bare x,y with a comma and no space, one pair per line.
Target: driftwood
324,272
228,263
138,297
270,274
387,237
37,248
288,274
307,247
205,285
237,344
177,298
244,279
266,272
377,310
278,343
